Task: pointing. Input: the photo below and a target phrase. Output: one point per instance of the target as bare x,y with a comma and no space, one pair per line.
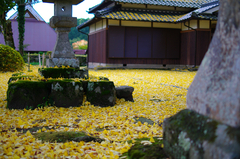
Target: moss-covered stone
64,73
15,78
144,120
66,93
101,93
62,137
27,94
141,151
191,135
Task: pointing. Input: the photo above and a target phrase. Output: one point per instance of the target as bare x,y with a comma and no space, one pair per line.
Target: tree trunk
9,34
21,26
215,91
7,31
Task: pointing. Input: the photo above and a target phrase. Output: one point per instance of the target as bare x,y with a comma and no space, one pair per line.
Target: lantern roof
74,2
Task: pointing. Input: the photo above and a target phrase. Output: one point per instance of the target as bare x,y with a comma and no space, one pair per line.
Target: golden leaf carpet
158,94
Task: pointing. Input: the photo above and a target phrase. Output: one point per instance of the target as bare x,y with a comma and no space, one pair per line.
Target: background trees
5,25
75,35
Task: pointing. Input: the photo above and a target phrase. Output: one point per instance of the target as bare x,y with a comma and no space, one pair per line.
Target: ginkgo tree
6,27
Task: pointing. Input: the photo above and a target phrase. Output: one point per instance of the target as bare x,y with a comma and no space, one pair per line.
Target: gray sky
46,9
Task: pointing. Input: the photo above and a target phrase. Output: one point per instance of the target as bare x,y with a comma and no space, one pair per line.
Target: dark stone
101,93
27,94
67,93
15,78
125,92
87,139
144,120
191,135
84,84
63,73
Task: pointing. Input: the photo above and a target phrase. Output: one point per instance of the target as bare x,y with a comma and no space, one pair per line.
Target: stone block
125,92
64,73
59,62
63,21
190,135
27,94
101,93
66,93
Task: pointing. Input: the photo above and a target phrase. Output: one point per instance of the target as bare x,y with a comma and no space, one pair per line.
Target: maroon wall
194,45
136,45
97,47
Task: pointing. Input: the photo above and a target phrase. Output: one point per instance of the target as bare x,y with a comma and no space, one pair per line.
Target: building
159,32
39,36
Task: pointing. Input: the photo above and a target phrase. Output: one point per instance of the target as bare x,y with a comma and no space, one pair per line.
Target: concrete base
189,135
59,62
94,65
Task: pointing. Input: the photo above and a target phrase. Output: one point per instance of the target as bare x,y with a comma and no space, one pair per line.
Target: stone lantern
62,21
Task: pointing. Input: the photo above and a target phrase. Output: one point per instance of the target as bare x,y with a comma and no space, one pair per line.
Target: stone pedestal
63,54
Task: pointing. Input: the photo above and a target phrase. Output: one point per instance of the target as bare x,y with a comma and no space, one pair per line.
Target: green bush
10,59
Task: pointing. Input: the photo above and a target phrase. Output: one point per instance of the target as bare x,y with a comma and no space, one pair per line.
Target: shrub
10,59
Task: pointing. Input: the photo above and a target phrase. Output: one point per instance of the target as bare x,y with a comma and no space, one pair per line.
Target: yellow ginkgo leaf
152,140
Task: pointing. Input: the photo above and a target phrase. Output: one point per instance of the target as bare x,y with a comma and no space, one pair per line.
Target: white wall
204,24
135,23
167,25
92,28
98,26
113,22
194,24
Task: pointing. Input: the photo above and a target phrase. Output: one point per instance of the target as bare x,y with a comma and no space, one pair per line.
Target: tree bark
7,30
215,90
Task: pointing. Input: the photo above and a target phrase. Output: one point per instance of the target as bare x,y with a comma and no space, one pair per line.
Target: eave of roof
173,3
87,23
119,13
99,6
139,14
199,13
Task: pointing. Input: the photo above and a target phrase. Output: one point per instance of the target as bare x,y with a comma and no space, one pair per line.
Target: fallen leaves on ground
157,95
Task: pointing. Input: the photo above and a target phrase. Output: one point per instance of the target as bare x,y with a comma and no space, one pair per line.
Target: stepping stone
125,92
101,93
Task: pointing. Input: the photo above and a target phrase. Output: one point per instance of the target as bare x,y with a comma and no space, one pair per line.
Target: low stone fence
34,58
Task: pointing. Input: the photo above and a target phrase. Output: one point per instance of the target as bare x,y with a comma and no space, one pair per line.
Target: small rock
125,92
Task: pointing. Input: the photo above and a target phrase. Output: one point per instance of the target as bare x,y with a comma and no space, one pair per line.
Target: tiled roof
199,13
139,14
175,3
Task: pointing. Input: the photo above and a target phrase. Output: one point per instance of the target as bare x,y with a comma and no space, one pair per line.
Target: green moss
63,73
101,93
188,129
140,151
66,93
234,133
27,94
15,78
58,136
198,127
62,137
